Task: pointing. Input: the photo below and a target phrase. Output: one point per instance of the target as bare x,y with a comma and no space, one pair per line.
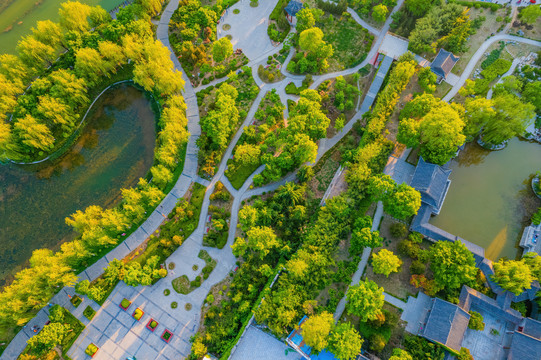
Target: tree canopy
365,300
453,265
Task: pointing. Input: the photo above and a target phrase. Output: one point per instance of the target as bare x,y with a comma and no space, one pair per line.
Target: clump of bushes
399,230
476,321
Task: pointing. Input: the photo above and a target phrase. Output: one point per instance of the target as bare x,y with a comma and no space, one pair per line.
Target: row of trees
128,37
90,48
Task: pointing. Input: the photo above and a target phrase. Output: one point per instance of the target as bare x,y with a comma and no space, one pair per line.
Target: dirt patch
397,284
407,95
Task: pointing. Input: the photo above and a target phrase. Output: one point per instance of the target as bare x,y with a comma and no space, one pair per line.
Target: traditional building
291,10
443,64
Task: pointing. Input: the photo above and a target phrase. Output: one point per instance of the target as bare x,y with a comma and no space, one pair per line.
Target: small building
432,181
291,10
507,334
446,324
531,239
443,64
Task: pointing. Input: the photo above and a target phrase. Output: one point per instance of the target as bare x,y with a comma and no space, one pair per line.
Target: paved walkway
394,301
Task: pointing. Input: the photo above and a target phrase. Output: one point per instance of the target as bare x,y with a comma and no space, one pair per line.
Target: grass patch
89,312
241,174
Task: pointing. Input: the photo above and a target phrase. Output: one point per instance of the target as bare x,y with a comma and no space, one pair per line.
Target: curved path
477,56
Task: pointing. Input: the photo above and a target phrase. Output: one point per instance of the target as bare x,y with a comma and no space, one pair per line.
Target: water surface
490,199
115,149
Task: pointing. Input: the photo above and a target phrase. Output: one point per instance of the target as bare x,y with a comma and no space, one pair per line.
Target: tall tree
365,300
222,49
34,53
453,265
259,239
402,203
379,13
48,33
530,14
385,262
345,342
74,16
316,329
513,275
400,354
33,134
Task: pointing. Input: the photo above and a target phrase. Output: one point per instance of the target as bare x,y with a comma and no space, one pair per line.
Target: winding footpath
185,324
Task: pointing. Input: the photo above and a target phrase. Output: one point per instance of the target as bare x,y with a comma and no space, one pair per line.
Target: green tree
530,14
90,65
222,49
34,53
248,217
74,16
361,238
304,149
247,154
464,354
532,94
385,262
345,342
260,239
33,134
479,111
56,112
365,300
161,175
399,354
48,33
440,135
379,13
316,329
402,203
512,118
220,122
427,80
534,263
513,275
453,265
49,337
307,17
418,7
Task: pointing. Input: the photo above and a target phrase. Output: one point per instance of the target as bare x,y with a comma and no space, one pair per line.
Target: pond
17,17
490,198
114,150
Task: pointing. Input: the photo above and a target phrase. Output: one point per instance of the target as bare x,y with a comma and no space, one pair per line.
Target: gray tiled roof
446,324
443,63
432,181
532,327
524,347
293,7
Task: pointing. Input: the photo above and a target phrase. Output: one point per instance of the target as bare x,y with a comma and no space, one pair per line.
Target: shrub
377,342
417,267
399,230
174,305
91,349
476,321
406,247
125,303
76,300
89,313
415,237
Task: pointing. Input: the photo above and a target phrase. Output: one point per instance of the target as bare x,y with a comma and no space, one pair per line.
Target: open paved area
256,344
489,343
249,27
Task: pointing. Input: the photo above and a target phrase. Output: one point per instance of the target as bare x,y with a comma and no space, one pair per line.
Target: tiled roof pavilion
443,63
432,181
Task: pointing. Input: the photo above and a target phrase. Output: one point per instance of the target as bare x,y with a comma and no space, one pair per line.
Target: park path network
225,259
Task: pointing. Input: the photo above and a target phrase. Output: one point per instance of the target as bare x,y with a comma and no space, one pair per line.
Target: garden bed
219,213
89,312
183,285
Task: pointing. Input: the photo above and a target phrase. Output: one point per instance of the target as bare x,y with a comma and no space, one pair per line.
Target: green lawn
243,172
183,285
350,41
